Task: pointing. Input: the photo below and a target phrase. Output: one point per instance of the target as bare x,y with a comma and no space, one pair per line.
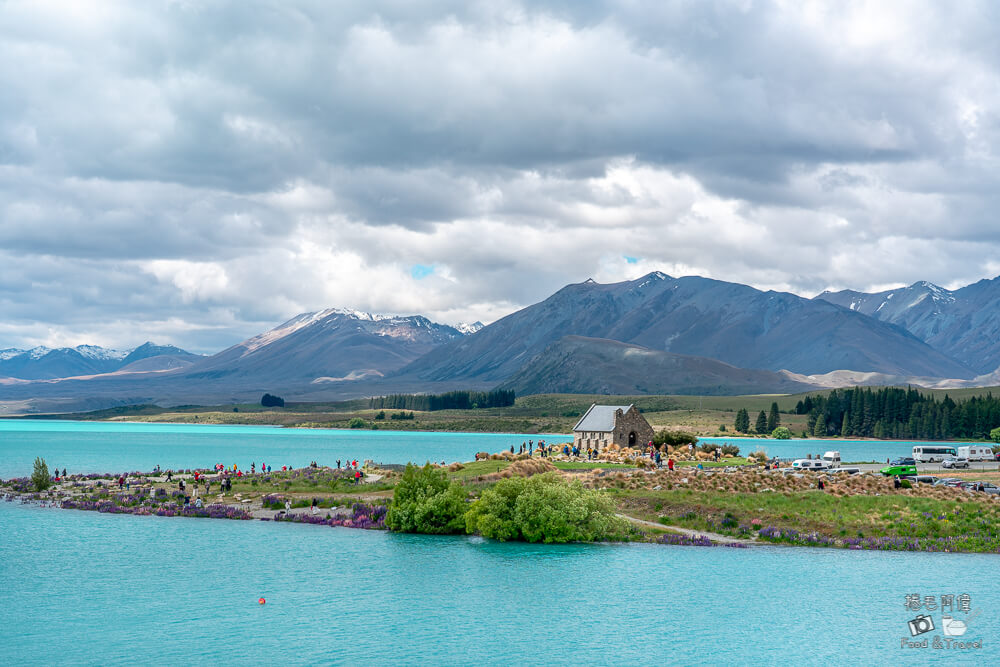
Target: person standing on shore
314,506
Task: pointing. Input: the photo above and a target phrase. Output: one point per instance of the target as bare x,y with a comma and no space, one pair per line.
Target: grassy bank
739,501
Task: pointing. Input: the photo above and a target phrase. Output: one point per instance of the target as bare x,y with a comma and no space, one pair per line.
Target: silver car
953,462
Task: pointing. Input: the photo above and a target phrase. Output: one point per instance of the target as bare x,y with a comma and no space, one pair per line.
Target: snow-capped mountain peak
469,329
97,352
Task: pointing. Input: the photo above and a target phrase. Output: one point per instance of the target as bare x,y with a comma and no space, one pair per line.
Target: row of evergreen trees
766,423
896,413
452,400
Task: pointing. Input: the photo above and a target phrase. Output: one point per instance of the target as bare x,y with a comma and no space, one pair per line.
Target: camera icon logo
920,625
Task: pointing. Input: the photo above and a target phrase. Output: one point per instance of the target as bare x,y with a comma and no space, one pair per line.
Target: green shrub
380,414
781,433
675,438
357,422
425,501
544,508
40,475
906,484
730,450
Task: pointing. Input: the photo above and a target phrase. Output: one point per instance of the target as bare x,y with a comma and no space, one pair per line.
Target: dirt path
715,537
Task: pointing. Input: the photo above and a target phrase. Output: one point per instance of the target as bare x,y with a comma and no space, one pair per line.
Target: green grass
835,516
736,461
591,465
477,468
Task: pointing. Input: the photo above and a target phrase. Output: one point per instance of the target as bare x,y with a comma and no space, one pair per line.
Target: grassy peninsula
558,499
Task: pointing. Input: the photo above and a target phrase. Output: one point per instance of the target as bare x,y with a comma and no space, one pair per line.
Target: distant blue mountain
962,323
695,316
42,363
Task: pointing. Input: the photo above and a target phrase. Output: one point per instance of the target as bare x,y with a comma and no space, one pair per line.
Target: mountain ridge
962,323
695,316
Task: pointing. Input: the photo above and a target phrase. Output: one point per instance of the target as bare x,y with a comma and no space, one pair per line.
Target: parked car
955,462
899,470
986,487
948,481
926,479
903,461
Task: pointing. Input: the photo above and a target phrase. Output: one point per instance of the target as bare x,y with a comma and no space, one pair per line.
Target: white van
810,464
975,453
832,458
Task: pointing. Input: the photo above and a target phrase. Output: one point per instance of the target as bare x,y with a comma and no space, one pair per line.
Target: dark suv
903,461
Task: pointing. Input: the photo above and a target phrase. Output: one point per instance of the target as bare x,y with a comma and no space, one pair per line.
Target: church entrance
631,439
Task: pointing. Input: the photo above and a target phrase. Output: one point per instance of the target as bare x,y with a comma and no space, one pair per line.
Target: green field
543,413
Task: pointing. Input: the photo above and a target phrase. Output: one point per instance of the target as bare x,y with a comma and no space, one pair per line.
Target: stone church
604,425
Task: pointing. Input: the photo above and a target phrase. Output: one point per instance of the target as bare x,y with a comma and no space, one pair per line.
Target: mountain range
656,334
694,316
42,363
964,323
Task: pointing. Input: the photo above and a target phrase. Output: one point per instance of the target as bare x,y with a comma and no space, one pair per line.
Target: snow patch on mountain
97,352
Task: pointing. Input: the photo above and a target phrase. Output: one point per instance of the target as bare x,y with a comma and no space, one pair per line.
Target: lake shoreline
734,505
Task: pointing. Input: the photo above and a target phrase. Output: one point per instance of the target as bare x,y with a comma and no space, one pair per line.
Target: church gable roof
600,418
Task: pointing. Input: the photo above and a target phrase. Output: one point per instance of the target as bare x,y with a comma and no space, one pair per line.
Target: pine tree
773,419
761,425
820,429
40,476
742,424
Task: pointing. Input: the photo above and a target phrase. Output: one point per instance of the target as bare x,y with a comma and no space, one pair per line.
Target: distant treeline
452,400
899,414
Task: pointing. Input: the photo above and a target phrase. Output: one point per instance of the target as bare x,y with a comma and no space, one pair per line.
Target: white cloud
204,171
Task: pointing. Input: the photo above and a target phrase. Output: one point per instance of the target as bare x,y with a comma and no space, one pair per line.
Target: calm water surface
89,588
114,446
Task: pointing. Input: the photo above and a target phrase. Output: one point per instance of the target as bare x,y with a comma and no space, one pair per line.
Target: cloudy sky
195,172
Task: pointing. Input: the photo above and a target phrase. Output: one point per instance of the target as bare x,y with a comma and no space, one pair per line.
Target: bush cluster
426,502
544,508
674,438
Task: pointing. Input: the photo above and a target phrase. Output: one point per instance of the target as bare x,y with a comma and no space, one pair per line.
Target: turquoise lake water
89,588
83,447
850,450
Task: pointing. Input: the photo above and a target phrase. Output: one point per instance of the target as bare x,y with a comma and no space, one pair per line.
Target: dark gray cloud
196,172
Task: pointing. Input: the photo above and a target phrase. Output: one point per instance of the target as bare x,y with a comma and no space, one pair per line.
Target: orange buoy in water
261,600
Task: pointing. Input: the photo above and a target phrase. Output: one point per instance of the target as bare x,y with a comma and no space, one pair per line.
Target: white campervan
832,459
810,464
975,453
